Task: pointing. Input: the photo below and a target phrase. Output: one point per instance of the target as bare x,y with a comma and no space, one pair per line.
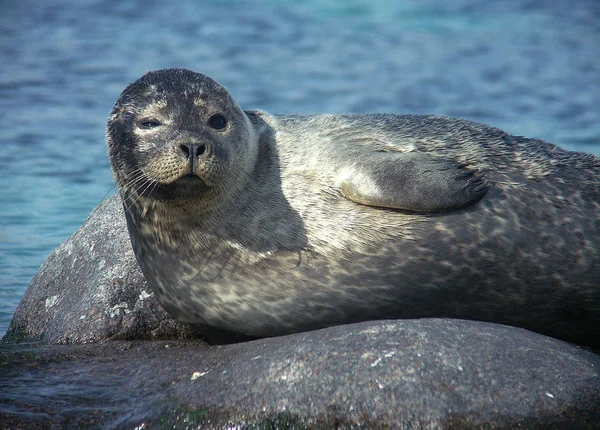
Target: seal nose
193,151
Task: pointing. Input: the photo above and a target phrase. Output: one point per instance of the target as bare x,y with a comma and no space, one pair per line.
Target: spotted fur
260,239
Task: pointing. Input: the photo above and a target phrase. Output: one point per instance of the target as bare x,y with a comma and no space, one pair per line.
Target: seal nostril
185,150
193,151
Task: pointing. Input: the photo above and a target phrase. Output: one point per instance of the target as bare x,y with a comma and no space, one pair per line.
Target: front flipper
410,181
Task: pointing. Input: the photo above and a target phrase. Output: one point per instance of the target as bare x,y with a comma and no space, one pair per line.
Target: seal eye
149,123
217,121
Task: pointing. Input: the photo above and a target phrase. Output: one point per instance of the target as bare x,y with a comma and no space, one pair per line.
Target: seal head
180,138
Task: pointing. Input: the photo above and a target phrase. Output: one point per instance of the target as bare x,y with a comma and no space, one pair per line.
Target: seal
262,225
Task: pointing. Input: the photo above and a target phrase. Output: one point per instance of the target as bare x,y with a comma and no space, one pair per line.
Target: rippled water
529,67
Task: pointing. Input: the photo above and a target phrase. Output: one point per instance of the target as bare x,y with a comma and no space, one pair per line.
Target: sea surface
529,67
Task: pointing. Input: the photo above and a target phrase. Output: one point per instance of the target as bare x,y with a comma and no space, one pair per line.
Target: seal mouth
189,186
190,179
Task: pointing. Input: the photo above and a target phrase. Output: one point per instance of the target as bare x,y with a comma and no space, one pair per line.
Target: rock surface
429,373
91,288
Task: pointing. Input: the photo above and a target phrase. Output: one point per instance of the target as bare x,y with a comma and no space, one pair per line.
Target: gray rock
429,373
91,288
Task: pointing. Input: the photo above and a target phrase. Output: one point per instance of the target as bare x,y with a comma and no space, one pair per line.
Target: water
529,67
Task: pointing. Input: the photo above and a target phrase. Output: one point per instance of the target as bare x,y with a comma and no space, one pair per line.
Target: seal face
176,142
263,225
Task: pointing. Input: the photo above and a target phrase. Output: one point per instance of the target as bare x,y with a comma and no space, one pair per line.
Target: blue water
529,67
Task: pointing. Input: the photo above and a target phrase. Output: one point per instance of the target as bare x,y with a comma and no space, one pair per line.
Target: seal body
262,225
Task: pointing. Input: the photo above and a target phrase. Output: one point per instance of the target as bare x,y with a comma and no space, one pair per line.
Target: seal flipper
411,181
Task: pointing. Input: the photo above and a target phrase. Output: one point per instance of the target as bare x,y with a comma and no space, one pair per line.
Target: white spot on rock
145,295
550,395
197,375
116,309
376,362
51,301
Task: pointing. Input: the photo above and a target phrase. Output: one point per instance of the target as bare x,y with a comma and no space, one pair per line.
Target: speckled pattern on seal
248,222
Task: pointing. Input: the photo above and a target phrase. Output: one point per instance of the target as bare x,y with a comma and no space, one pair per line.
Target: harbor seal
262,225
